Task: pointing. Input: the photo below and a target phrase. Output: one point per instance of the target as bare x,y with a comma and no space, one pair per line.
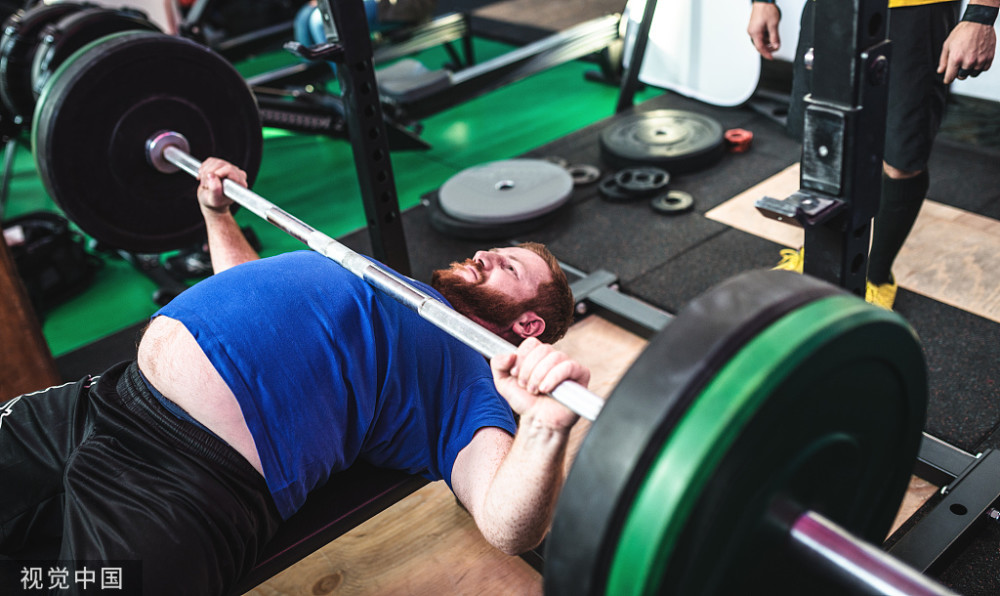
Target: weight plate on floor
101,106
672,202
768,395
450,226
506,191
61,39
642,182
17,52
609,189
583,174
675,140
559,161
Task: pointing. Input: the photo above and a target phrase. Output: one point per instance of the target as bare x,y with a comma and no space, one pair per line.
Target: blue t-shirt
329,370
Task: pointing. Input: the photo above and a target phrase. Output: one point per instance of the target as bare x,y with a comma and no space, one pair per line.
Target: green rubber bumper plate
771,395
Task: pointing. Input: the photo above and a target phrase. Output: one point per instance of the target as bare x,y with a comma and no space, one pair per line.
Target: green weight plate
99,109
823,411
639,416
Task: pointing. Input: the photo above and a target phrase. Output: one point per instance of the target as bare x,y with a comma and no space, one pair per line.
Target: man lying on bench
257,384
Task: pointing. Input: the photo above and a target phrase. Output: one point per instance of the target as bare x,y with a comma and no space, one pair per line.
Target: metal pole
170,147
861,566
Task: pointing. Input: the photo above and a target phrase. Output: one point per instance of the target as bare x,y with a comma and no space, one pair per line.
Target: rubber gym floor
665,261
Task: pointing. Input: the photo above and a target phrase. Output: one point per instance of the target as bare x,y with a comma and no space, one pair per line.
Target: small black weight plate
673,202
467,230
675,140
642,182
583,174
17,52
61,39
101,106
607,492
609,189
559,161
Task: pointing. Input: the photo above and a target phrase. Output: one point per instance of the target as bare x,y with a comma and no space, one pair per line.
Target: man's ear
528,325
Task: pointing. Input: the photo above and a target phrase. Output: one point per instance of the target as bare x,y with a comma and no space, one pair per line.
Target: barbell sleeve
858,564
171,147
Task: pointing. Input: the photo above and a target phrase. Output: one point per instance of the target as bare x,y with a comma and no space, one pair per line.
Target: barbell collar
166,151
859,564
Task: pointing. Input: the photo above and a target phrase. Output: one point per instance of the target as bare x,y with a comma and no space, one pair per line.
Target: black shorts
102,472
917,95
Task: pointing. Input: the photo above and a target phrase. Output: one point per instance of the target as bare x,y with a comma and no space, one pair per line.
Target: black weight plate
822,411
466,230
61,39
583,174
675,140
642,411
609,190
642,182
673,202
17,52
99,109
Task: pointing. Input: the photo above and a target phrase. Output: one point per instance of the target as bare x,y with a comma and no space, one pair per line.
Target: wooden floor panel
951,255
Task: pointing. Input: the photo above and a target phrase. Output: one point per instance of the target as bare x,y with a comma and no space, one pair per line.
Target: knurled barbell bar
771,421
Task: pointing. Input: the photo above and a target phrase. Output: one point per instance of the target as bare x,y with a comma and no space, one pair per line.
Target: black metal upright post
367,131
843,141
844,136
630,77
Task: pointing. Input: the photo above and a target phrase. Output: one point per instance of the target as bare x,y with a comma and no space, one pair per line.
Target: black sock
898,209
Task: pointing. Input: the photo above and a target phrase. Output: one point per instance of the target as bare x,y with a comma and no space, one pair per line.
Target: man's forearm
227,245
519,505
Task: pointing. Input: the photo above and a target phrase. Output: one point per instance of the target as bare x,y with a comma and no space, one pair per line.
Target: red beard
473,300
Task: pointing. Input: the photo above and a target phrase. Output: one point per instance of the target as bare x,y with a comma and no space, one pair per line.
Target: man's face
493,285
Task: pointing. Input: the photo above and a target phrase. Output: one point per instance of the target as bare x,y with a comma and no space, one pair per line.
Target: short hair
554,300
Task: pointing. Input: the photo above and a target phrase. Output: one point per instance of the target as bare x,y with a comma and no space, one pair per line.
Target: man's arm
227,245
971,44
763,28
510,485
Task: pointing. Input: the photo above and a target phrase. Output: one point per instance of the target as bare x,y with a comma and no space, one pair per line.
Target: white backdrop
717,70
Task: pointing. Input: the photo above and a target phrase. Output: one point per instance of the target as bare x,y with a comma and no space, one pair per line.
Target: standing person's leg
917,100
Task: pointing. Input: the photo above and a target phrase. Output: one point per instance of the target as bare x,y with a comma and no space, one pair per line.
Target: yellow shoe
791,259
883,295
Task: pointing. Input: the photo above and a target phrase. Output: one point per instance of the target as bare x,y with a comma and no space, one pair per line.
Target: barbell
771,422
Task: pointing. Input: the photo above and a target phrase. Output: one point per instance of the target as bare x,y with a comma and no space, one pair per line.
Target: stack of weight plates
500,199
